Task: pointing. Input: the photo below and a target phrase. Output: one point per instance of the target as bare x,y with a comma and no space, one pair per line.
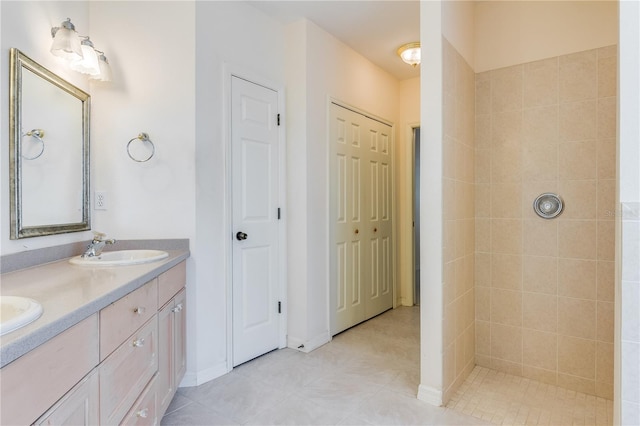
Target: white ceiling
375,29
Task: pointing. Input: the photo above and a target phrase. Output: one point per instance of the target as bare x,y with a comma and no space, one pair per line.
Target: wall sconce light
83,57
410,53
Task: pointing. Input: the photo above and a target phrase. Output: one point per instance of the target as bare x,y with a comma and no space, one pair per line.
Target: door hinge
278,119
279,307
278,213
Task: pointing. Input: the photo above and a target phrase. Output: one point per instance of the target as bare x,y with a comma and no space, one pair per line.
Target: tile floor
369,375
504,399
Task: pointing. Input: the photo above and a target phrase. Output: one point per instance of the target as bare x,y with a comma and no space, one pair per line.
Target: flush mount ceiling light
410,53
83,57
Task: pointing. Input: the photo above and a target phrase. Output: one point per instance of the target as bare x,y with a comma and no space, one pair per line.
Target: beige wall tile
448,157
604,362
506,366
506,307
540,237
449,329
483,235
506,130
541,83
483,166
577,160
540,349
449,240
539,312
577,239
577,357
578,76
606,289
606,158
540,125
604,390
606,52
483,338
607,118
482,268
459,356
483,303
578,121
578,384
606,240
577,317
506,89
540,274
449,114
483,131
577,278
506,343
506,200
483,200
483,360
607,76
449,365
506,236
539,374
506,164
483,96
539,161
606,199
605,326
506,271
579,197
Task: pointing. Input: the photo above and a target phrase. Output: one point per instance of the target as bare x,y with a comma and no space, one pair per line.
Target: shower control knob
241,236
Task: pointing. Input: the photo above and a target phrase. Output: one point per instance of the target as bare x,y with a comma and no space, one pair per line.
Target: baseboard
200,377
309,345
430,395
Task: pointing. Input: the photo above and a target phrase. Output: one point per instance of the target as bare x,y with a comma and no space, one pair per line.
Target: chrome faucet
97,245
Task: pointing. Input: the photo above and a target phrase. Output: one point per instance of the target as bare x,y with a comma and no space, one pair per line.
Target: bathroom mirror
48,151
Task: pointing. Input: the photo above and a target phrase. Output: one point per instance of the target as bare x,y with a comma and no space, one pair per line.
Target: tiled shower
544,288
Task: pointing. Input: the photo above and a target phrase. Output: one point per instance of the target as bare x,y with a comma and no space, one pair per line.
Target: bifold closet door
361,228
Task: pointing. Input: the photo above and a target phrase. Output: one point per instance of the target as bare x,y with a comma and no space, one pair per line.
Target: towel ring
143,137
37,134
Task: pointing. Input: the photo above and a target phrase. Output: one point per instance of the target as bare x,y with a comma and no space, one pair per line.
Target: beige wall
515,32
545,288
458,237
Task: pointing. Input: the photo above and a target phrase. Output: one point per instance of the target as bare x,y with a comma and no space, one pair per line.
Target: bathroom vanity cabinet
121,365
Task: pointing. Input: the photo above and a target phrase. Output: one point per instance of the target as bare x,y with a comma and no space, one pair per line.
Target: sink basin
120,258
16,312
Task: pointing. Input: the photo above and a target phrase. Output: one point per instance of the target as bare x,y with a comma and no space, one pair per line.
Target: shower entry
361,223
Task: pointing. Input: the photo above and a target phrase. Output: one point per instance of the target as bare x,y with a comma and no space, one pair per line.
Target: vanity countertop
69,293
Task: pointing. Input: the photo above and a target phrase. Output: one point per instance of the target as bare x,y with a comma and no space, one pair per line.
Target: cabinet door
180,336
165,380
78,407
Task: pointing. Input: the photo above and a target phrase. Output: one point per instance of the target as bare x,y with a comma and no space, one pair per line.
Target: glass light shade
89,62
105,69
410,53
66,42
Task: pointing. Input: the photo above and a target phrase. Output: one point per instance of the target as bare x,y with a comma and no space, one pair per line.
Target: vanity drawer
144,411
35,381
122,318
126,372
171,282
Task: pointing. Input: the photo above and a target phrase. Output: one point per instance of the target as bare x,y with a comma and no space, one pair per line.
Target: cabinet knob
138,343
143,413
139,310
178,308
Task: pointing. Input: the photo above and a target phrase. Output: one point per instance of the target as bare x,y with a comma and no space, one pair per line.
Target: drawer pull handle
139,310
178,308
143,413
138,343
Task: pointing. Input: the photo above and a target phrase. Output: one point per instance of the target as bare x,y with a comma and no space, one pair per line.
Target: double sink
17,312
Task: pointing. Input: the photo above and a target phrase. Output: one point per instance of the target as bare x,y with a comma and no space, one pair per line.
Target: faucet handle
98,236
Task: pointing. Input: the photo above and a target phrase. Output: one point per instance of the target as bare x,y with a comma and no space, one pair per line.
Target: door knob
241,236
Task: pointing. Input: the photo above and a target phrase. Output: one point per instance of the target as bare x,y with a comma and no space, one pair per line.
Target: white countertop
70,293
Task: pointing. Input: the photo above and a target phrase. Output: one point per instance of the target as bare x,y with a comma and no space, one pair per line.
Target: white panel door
360,218
254,155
